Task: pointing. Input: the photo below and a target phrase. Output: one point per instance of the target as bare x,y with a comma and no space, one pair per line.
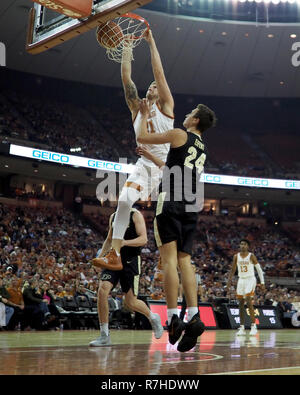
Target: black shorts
173,223
129,276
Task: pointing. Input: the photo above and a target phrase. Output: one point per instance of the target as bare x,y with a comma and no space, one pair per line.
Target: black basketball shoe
175,329
193,329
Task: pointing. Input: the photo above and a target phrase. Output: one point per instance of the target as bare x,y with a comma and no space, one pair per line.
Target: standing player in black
176,215
135,237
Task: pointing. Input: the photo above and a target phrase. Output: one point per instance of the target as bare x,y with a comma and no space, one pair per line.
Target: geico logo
210,178
253,182
104,165
292,184
58,7
50,156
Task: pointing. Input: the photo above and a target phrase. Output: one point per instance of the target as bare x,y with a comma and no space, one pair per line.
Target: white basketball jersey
245,266
158,122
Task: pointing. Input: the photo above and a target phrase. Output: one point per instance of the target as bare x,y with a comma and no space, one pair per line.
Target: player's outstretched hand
144,107
148,36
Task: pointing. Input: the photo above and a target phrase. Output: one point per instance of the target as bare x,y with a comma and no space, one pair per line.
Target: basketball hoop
121,35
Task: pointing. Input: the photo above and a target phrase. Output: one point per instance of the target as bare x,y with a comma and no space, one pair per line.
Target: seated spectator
80,293
69,293
36,308
61,293
115,308
48,296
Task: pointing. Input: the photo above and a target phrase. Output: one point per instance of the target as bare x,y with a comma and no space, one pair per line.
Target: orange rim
139,18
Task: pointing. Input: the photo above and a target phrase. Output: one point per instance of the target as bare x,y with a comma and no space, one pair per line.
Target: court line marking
253,371
216,356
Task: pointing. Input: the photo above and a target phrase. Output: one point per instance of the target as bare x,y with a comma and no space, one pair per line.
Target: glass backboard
47,28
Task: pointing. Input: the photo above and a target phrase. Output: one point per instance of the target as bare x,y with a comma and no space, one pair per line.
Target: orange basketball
109,35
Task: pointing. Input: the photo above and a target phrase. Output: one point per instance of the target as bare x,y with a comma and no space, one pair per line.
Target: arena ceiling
202,57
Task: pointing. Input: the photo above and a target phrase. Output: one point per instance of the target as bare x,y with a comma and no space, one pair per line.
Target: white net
133,28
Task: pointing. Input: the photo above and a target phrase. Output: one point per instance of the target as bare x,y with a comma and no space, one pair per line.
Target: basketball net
133,28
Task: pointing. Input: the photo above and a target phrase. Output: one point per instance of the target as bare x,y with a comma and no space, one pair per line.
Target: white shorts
147,177
245,287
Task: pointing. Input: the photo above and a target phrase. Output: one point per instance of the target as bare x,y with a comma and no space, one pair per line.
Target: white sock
242,326
253,325
127,199
104,328
191,312
152,316
170,313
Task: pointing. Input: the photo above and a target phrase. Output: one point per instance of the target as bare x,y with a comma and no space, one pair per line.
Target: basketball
109,35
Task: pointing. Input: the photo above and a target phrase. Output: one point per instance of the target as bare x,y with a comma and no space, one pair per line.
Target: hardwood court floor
271,352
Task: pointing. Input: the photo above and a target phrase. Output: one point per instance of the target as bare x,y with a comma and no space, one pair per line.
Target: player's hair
207,118
246,241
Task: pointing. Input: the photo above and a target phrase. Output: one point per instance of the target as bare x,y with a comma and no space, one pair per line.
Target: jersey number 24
192,160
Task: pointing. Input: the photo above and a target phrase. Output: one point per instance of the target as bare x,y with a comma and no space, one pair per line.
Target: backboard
47,28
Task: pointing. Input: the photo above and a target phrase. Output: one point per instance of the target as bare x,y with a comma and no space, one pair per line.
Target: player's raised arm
130,90
165,95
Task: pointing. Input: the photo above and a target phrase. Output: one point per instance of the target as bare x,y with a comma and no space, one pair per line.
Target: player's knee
169,264
103,292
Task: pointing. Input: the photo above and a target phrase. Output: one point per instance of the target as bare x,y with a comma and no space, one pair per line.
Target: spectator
16,298
48,297
6,305
36,308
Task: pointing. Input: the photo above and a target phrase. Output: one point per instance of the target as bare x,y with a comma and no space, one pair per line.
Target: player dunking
245,262
135,237
174,224
146,177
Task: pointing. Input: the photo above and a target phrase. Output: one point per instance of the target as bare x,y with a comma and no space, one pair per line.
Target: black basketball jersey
127,253
183,169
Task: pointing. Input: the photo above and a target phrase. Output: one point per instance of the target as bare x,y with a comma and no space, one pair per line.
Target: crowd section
45,263
60,126
105,132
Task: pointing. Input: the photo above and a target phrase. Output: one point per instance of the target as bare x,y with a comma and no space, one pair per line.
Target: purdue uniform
147,174
131,260
173,221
